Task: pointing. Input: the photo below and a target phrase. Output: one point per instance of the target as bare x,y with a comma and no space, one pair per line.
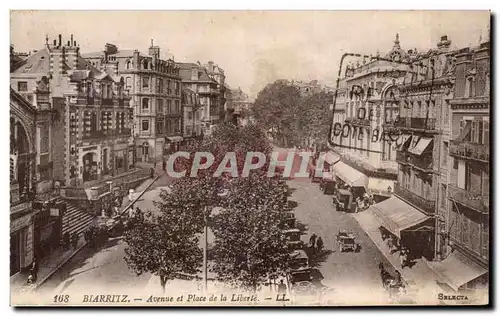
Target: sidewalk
58,257
48,266
420,278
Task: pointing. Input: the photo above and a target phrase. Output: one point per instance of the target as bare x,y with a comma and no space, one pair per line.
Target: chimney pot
55,42
60,40
72,43
69,43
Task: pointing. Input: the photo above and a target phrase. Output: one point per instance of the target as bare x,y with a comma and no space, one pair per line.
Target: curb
59,266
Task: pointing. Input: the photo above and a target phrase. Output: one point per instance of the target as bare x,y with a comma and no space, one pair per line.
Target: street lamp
207,212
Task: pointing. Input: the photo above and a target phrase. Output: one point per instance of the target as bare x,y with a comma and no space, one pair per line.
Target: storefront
120,153
48,227
172,144
457,272
406,226
21,239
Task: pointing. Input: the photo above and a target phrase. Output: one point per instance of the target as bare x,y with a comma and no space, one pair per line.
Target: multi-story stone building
209,85
367,97
88,140
424,129
192,114
464,203
154,85
238,107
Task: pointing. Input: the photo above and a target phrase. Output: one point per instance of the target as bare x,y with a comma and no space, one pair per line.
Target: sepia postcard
250,158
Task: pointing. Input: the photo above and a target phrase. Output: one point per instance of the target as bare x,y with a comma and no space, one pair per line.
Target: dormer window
129,64
145,64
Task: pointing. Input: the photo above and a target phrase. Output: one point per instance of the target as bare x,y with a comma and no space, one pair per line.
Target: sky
253,47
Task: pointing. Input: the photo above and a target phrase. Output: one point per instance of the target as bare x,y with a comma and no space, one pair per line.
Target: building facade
192,114
197,78
83,140
154,86
368,97
216,73
238,107
463,230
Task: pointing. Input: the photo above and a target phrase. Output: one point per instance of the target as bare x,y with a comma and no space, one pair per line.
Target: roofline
20,98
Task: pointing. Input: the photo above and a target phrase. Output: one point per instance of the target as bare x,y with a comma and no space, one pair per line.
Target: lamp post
207,212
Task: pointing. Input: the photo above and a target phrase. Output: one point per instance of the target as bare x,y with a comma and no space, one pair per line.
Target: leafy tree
249,244
316,117
276,109
163,245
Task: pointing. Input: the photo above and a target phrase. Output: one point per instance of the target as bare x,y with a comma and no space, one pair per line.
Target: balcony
94,135
423,123
422,163
425,205
468,150
471,200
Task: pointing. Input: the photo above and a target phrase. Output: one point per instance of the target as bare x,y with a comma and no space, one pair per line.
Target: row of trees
291,117
248,248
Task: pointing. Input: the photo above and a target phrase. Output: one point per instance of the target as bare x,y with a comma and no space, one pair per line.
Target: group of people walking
316,243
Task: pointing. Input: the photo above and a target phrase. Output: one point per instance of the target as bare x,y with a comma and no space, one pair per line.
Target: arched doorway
89,162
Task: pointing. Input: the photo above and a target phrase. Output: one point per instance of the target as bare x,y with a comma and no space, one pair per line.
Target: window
177,88
485,183
190,115
444,163
479,137
160,86
145,82
443,195
486,133
145,125
473,133
177,106
169,89
145,64
128,82
169,106
159,126
145,105
104,89
129,64
469,88
159,105
455,163
446,112
22,86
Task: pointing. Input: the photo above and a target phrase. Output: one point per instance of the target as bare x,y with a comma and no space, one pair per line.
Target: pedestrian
152,172
282,287
312,241
319,244
34,269
402,258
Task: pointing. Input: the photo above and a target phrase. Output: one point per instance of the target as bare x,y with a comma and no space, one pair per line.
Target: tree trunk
163,282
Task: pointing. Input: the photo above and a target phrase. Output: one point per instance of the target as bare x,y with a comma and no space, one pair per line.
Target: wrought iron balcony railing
424,204
473,201
470,150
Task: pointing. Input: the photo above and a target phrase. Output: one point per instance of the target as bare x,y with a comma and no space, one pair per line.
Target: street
353,276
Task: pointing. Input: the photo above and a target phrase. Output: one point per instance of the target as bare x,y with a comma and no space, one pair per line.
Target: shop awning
457,270
349,175
174,139
422,145
380,186
396,215
405,140
330,157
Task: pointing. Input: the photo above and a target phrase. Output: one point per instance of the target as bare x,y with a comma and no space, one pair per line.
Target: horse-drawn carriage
347,240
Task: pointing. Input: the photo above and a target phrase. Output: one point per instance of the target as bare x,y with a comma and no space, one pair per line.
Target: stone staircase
75,220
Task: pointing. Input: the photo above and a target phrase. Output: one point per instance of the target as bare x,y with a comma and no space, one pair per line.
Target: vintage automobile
292,234
347,240
327,183
304,280
299,259
289,221
343,201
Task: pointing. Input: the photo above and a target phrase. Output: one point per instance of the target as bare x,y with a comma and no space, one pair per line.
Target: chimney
136,59
444,44
55,43
72,43
60,40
